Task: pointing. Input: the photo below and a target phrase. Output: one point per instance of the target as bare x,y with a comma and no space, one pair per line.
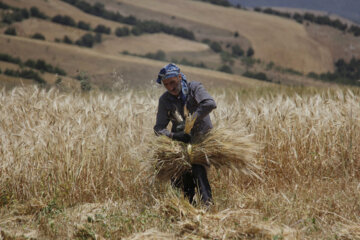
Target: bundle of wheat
169,158
220,148
223,148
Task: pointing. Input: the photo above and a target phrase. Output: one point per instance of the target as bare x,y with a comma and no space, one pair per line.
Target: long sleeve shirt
198,102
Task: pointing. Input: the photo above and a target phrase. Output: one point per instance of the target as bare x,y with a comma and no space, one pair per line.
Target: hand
180,127
182,137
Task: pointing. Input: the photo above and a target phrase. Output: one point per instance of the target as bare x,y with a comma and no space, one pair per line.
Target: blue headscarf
171,70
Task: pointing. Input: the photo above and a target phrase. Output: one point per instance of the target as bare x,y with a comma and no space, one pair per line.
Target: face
173,85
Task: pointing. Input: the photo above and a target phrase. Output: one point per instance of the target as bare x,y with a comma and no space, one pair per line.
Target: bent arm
205,101
162,120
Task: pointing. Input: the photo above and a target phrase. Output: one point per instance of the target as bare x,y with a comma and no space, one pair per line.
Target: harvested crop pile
221,148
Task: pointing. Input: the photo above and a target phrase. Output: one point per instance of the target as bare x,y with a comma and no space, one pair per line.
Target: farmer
199,103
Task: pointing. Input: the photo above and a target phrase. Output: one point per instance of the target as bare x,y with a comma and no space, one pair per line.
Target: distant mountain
345,8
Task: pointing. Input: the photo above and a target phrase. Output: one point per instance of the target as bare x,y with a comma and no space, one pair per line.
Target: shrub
250,52
257,9
42,66
83,25
298,17
17,15
0,71
67,40
7,58
260,76
86,40
224,3
35,12
225,68
237,51
216,47
10,31
4,6
64,20
38,36
136,31
25,13
184,33
236,34
121,32
102,29
226,58
98,38
28,74
159,55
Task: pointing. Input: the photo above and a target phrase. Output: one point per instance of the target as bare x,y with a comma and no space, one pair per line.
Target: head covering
171,70
168,71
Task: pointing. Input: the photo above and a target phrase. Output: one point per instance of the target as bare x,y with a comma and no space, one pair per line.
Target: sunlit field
72,167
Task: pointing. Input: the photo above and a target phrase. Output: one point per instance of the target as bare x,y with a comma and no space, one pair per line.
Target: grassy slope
149,43
52,8
10,82
136,71
275,39
50,30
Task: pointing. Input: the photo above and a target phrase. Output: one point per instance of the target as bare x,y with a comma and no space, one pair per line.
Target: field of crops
71,167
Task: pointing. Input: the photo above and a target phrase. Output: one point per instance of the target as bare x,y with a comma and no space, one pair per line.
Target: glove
180,127
182,137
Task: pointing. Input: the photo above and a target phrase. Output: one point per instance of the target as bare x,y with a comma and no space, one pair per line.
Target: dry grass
284,42
70,167
50,30
149,43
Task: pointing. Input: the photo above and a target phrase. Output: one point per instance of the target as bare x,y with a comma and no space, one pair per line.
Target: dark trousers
196,178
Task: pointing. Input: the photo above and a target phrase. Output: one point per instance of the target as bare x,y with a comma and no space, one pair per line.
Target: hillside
346,8
285,51
105,68
284,42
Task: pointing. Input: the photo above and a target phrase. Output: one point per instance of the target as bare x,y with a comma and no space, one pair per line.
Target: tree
86,40
83,25
225,68
38,36
250,52
237,51
35,12
136,31
102,29
67,40
10,31
216,47
121,32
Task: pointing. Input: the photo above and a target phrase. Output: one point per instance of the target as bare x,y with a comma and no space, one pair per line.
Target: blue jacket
198,102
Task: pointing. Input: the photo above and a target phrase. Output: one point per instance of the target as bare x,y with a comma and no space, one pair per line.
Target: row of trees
87,40
159,55
345,73
15,14
139,27
236,50
257,75
224,3
310,17
25,73
69,21
39,64
187,62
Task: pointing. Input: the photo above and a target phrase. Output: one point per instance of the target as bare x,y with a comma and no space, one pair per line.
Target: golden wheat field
71,167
